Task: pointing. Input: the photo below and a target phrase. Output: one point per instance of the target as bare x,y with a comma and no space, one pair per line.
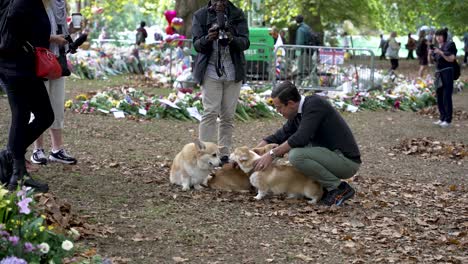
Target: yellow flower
51,227
42,228
68,104
43,216
82,97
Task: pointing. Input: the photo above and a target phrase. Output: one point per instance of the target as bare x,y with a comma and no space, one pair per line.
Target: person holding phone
444,54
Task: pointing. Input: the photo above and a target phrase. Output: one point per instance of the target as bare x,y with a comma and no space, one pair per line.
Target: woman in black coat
444,54
27,24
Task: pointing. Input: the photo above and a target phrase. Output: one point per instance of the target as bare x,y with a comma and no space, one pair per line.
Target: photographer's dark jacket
203,19
318,124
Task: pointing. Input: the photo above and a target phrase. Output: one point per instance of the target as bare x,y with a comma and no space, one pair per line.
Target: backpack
139,37
456,70
314,39
7,40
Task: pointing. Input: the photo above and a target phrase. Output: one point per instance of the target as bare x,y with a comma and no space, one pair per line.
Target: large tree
185,10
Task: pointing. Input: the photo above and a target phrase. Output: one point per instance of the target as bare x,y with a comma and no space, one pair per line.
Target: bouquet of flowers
24,236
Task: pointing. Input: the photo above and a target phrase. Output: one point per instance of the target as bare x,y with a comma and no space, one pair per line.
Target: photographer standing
56,10
444,55
220,36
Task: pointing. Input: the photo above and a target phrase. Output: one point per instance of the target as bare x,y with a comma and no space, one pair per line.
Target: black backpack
7,40
314,39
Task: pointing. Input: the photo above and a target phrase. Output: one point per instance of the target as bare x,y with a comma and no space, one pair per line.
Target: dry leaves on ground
433,112
430,148
60,215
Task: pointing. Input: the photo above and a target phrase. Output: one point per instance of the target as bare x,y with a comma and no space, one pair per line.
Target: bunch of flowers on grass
24,235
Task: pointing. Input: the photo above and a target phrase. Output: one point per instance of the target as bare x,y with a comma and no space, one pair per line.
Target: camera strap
219,62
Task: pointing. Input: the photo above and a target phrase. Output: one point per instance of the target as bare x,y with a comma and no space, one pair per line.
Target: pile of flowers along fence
110,60
181,106
396,92
24,236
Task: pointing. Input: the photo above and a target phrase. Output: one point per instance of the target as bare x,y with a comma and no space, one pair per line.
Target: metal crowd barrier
324,68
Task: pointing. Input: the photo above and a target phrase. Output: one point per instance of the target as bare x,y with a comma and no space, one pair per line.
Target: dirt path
408,209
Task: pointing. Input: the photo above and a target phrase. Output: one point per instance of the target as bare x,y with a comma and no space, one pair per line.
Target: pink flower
23,205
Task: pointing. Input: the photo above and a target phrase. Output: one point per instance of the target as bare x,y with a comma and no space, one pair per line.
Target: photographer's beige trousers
219,99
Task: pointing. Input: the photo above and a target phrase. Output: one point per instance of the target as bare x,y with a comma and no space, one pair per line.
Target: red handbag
47,65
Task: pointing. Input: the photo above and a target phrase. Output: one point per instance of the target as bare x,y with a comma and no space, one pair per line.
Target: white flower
67,245
44,247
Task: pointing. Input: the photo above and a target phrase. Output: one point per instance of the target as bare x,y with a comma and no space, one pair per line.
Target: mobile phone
431,46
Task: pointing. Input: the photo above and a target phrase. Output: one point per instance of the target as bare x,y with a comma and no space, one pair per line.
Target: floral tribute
24,235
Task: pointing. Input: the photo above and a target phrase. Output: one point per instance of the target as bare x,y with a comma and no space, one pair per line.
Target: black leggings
26,95
394,63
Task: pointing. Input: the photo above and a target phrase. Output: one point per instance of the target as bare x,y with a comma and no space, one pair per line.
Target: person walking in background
56,10
392,51
274,33
141,34
303,38
382,47
220,68
465,48
28,24
422,53
444,54
410,46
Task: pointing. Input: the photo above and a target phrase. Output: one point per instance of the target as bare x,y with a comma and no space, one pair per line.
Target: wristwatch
272,154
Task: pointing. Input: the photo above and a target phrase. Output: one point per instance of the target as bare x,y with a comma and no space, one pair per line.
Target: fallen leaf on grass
179,259
304,257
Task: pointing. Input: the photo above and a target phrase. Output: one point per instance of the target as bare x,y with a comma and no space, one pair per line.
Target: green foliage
387,15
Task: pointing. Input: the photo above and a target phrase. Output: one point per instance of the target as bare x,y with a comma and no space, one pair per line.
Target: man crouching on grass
318,141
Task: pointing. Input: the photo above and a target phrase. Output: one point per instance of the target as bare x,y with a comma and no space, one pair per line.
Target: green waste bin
260,53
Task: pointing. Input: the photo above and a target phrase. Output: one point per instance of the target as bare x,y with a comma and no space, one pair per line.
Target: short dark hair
442,32
299,19
142,24
285,92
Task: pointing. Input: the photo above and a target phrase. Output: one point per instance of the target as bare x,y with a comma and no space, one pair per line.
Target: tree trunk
185,10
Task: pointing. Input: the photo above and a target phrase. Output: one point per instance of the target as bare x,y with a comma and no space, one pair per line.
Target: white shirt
301,103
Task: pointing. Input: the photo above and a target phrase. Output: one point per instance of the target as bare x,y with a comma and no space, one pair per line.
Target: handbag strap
61,48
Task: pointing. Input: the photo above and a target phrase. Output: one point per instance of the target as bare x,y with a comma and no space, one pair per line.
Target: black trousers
26,95
410,55
444,96
466,57
394,63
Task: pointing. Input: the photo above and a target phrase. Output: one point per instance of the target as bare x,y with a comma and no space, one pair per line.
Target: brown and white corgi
193,164
276,178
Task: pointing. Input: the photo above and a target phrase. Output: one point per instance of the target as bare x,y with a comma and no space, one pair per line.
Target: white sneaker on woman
437,123
444,124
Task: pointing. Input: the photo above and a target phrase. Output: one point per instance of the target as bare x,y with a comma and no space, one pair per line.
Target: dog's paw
259,196
198,187
185,188
313,201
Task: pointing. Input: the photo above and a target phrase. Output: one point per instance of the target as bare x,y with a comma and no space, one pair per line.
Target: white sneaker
444,124
39,157
437,123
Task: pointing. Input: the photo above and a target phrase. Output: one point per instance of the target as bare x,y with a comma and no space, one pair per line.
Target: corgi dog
231,178
193,164
276,178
